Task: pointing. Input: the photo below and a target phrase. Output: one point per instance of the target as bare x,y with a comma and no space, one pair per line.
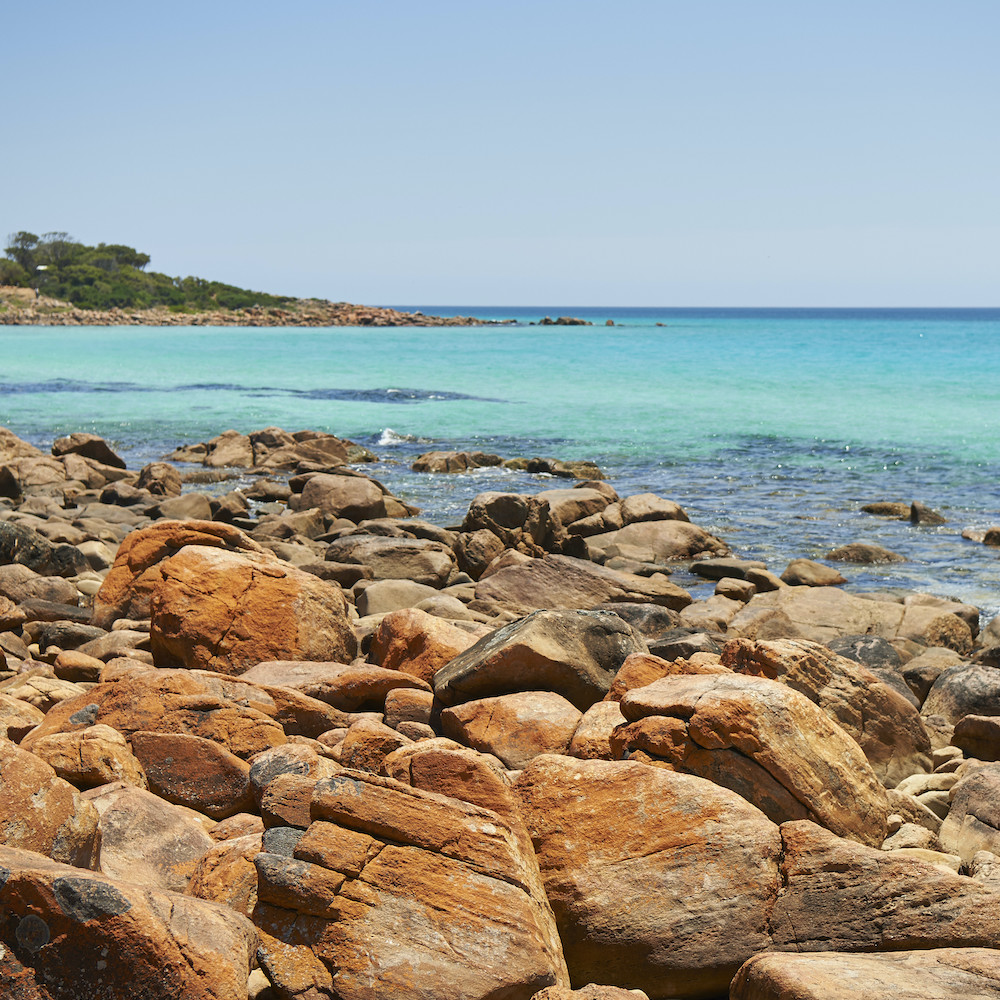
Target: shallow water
771,427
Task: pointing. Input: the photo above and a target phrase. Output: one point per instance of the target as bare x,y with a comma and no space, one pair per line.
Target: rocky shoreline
293,741
26,311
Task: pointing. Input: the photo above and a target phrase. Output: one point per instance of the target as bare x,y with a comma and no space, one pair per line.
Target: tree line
112,275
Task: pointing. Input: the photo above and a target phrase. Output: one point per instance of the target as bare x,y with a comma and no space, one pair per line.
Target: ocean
771,427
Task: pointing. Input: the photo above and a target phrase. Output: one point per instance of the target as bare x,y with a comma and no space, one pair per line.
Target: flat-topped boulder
822,614
557,581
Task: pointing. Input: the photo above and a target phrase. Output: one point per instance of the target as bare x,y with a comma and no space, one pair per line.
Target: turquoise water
771,427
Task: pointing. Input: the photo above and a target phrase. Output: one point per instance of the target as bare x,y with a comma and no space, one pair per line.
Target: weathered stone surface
68,934
417,643
226,874
217,610
418,559
520,522
127,588
39,811
964,689
516,728
763,740
973,821
147,840
941,973
347,687
90,757
407,893
367,744
822,614
242,717
160,479
573,653
557,581
19,544
656,541
885,725
841,896
659,881
194,772
589,992
978,736
808,573
475,550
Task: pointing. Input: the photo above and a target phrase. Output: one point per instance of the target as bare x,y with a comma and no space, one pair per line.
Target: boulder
885,725
557,581
841,896
347,687
978,736
39,811
973,821
17,718
226,874
939,973
88,445
147,840
242,717
218,610
160,479
353,497
516,728
475,550
417,643
194,772
380,597
763,740
128,587
964,689
69,933
656,541
807,573
520,522
573,653
592,738
404,893
864,553
22,545
823,614
454,461
419,560
96,755
658,881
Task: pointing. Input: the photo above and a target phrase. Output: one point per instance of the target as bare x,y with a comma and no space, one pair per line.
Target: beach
531,662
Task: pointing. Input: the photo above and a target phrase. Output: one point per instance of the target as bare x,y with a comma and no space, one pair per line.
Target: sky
523,152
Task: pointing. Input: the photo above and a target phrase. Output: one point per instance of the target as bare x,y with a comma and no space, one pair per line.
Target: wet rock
454,461
807,573
922,514
863,552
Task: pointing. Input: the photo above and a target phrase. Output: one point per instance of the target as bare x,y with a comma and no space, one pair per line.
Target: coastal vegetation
111,275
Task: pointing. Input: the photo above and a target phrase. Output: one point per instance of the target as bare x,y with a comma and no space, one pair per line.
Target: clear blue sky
681,152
